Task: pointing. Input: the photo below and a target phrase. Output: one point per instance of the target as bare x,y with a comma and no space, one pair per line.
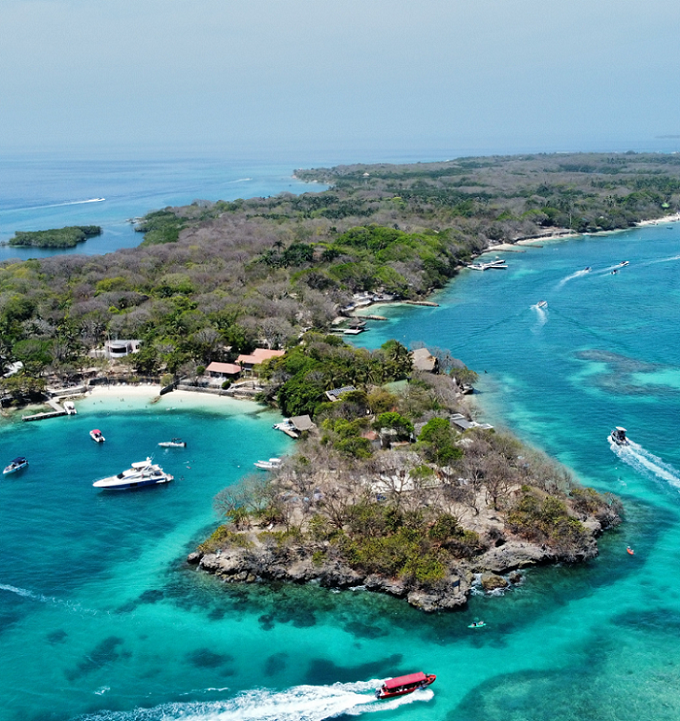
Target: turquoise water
48,192
101,619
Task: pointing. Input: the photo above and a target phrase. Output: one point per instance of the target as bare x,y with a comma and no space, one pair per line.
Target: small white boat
140,474
96,435
18,464
618,435
542,304
70,408
269,465
174,443
624,263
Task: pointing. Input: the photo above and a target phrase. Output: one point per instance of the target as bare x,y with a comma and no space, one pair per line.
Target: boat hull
385,692
115,484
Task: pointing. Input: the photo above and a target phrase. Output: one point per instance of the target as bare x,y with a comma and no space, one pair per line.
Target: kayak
630,550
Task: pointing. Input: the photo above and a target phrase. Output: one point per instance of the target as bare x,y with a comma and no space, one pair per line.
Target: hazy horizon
376,77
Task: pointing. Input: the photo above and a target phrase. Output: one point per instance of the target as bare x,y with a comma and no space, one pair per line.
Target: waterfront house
248,362
223,371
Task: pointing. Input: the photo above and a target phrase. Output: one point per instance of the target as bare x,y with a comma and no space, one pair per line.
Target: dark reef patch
322,671
205,658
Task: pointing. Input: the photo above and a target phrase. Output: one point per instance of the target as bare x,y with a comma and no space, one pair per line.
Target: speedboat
618,435
624,263
70,408
18,464
401,685
96,435
269,465
542,304
586,269
140,474
174,443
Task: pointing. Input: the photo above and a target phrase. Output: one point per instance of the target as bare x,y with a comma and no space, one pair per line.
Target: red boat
401,685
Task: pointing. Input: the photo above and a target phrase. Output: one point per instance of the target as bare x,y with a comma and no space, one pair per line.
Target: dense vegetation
212,280
388,486
67,237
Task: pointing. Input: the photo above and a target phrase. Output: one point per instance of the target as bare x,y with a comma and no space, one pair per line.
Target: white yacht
269,465
618,435
140,474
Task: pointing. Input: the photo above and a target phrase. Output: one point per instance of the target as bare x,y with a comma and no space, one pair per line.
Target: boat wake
56,205
646,463
541,313
301,703
41,598
577,274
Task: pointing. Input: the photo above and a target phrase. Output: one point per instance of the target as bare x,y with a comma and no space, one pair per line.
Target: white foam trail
56,205
577,274
301,703
542,315
41,598
663,260
239,180
645,462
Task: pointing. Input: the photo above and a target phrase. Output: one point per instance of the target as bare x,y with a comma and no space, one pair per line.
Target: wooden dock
58,411
428,303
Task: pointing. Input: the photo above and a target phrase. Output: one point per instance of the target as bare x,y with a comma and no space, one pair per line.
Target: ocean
100,617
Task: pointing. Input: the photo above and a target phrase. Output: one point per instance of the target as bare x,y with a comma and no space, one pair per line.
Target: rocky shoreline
252,561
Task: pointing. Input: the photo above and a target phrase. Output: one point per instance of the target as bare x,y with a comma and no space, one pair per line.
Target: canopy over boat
412,678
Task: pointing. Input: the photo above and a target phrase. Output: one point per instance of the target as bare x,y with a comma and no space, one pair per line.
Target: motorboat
587,269
97,436
70,408
542,304
140,474
18,464
174,443
401,685
269,465
624,263
618,435
498,264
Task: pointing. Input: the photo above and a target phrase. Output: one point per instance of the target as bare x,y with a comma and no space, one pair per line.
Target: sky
506,75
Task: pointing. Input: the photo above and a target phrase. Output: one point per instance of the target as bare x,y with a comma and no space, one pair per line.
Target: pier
58,411
428,303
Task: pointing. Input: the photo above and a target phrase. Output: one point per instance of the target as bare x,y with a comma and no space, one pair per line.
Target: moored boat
174,443
618,435
18,464
97,436
70,408
269,465
401,685
140,474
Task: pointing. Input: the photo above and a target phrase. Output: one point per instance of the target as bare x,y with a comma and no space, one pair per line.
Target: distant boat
18,464
498,264
269,465
542,304
618,435
70,408
401,685
96,435
587,269
174,443
623,263
139,475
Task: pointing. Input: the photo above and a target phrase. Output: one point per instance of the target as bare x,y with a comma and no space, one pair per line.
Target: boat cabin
401,685
619,436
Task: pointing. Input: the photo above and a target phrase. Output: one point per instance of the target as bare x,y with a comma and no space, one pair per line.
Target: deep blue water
100,618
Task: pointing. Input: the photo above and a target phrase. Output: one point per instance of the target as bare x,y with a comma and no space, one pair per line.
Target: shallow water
100,618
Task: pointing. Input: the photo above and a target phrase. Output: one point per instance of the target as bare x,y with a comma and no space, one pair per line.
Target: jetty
55,413
428,303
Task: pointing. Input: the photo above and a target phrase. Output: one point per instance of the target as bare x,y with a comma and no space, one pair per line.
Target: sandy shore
137,397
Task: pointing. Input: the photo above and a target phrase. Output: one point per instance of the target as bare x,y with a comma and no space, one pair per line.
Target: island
394,488
215,283
67,237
